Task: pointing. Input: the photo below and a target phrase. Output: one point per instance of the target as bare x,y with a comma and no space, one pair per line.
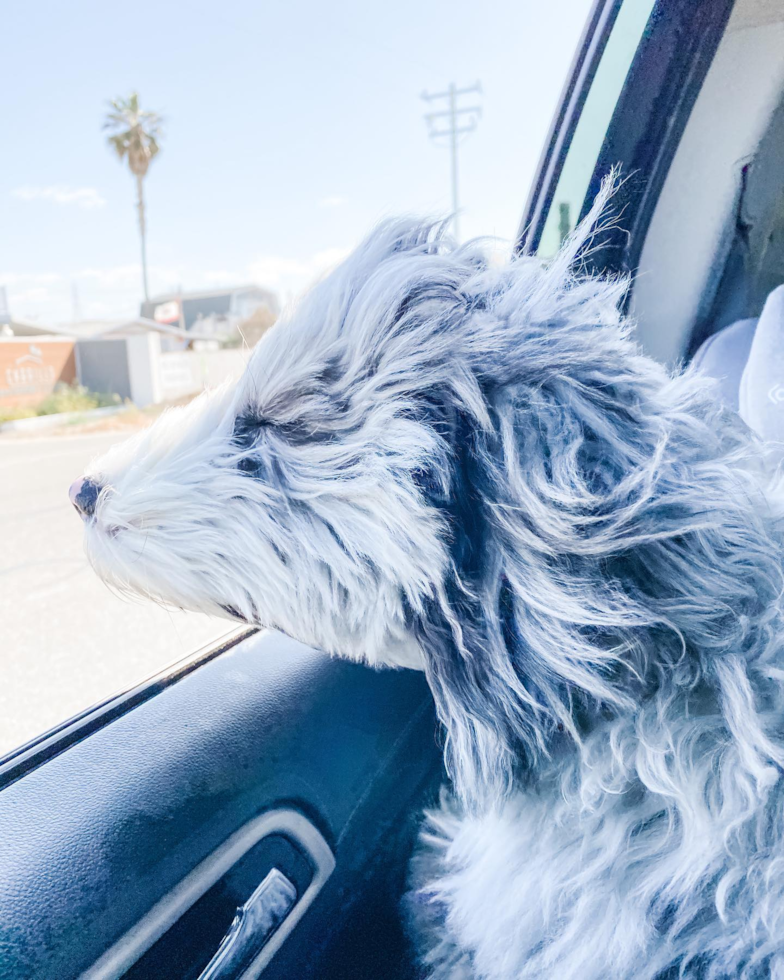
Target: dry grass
130,420
64,398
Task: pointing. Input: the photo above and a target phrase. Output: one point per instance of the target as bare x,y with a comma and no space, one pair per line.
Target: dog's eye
247,427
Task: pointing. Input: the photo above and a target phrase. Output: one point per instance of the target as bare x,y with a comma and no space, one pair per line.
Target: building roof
32,340
141,324
208,293
30,328
93,329
212,303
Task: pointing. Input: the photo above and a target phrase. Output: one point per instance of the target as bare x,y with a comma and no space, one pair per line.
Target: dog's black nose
84,493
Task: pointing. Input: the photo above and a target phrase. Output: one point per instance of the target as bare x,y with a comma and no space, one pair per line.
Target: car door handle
286,822
262,924
255,922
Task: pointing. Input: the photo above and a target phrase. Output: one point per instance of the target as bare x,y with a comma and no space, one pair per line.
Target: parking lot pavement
65,640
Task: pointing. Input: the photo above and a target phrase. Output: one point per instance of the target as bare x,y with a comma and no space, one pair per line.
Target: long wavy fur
612,693
473,469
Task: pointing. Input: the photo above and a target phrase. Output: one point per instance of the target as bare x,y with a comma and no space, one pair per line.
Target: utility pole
5,315
76,308
452,122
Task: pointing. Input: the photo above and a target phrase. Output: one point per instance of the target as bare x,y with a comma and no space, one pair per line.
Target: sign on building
30,369
168,312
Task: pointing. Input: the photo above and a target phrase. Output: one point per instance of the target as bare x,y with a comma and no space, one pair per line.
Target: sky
290,128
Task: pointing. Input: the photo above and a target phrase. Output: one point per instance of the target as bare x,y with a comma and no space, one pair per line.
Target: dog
439,463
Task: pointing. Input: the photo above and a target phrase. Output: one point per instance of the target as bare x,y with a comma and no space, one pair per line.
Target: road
65,640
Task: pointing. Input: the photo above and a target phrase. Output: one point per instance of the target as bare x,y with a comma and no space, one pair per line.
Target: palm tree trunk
142,231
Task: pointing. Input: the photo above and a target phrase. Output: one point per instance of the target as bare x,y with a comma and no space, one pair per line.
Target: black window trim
19,761
662,85
559,139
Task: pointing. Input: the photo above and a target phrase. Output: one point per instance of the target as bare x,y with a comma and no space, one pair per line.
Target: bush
64,398
12,414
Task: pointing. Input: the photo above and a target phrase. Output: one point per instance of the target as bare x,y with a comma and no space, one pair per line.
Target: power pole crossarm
453,130
474,109
476,87
448,132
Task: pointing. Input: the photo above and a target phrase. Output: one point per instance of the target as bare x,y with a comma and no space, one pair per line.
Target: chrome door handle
255,922
262,924
120,957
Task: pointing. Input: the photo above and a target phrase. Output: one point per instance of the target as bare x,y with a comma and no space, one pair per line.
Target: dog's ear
598,527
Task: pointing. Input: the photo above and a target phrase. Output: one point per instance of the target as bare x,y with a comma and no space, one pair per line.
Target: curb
39,422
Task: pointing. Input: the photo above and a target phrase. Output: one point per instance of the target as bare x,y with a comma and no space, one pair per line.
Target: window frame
34,753
661,87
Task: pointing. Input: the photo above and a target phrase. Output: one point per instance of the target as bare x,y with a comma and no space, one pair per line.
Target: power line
452,122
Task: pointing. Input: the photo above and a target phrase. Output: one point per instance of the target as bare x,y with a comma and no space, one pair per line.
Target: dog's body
472,470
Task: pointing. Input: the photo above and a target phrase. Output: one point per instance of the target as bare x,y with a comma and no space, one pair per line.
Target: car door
260,776
132,834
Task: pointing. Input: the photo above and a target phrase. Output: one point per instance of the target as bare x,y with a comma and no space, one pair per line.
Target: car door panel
97,835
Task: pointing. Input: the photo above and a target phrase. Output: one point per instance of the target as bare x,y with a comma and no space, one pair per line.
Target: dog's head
303,497
438,462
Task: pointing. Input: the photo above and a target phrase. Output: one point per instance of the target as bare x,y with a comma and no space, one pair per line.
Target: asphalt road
65,640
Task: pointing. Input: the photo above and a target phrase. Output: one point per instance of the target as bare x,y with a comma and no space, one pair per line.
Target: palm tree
135,136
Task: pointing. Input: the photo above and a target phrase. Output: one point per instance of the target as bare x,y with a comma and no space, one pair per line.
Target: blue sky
291,127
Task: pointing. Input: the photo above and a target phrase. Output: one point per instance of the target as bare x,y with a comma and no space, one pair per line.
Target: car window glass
276,135
592,125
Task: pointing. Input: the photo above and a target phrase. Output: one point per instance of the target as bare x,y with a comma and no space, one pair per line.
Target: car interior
252,811
714,249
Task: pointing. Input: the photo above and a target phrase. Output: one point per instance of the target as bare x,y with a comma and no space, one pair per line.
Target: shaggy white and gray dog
469,469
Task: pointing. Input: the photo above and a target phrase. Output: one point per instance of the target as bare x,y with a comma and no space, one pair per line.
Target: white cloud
279,272
111,291
224,277
49,296
113,277
82,197
333,201
35,296
272,270
22,280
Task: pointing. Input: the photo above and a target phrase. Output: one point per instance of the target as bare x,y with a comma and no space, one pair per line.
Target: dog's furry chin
439,463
